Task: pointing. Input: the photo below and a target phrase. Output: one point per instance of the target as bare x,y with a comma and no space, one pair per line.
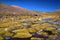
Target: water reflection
7,38
10,38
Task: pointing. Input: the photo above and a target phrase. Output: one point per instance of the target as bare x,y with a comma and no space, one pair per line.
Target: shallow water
16,38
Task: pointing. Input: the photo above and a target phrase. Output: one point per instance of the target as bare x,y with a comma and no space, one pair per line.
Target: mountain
7,9
17,10
57,11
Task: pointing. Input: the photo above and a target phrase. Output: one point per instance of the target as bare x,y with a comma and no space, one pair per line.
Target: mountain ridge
15,10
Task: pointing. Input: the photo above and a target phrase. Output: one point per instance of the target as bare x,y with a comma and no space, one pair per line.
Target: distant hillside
6,9
16,10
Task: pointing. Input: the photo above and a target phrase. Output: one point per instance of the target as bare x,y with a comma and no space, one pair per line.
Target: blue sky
40,5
